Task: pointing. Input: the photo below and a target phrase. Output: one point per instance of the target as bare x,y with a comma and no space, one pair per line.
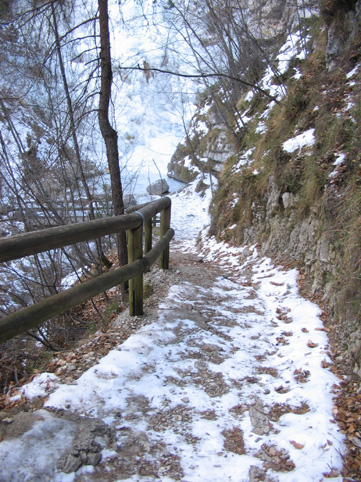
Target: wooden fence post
148,230
164,226
135,252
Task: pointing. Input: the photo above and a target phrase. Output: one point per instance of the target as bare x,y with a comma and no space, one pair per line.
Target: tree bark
109,134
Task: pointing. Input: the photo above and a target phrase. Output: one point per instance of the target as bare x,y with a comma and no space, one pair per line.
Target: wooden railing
139,261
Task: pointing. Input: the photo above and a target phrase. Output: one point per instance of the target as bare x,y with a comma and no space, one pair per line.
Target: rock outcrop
158,188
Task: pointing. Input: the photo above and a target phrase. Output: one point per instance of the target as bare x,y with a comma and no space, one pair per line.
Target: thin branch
203,76
42,339
83,52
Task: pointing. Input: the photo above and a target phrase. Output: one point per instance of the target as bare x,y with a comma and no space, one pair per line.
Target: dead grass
320,99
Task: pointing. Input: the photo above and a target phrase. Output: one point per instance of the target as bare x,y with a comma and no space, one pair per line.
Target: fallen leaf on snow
333,473
325,364
297,445
301,375
282,389
311,344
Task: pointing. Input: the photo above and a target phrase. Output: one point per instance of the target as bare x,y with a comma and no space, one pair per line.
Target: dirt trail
199,391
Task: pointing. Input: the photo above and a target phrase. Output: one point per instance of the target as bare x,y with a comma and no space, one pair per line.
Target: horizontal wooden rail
18,246
25,244
34,315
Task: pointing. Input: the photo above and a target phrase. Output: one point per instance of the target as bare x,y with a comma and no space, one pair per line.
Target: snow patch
244,160
306,139
353,72
292,48
338,162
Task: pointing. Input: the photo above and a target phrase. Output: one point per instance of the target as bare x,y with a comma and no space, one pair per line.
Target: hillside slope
290,181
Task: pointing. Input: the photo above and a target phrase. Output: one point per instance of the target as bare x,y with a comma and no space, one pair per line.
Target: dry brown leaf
297,445
282,389
304,330
311,344
333,473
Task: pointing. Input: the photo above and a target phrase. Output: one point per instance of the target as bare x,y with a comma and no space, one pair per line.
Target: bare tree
109,134
43,174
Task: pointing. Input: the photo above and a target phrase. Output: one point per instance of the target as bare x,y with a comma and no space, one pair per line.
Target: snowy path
227,384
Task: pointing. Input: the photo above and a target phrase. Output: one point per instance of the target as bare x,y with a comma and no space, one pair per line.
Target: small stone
8,420
83,456
93,459
69,464
256,474
259,419
185,400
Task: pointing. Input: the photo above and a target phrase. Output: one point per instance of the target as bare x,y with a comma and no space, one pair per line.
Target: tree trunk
109,134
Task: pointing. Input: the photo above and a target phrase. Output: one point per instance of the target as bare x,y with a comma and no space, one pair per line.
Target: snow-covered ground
231,380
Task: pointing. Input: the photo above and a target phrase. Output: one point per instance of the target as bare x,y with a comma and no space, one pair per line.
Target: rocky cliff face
206,147
290,181
216,129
